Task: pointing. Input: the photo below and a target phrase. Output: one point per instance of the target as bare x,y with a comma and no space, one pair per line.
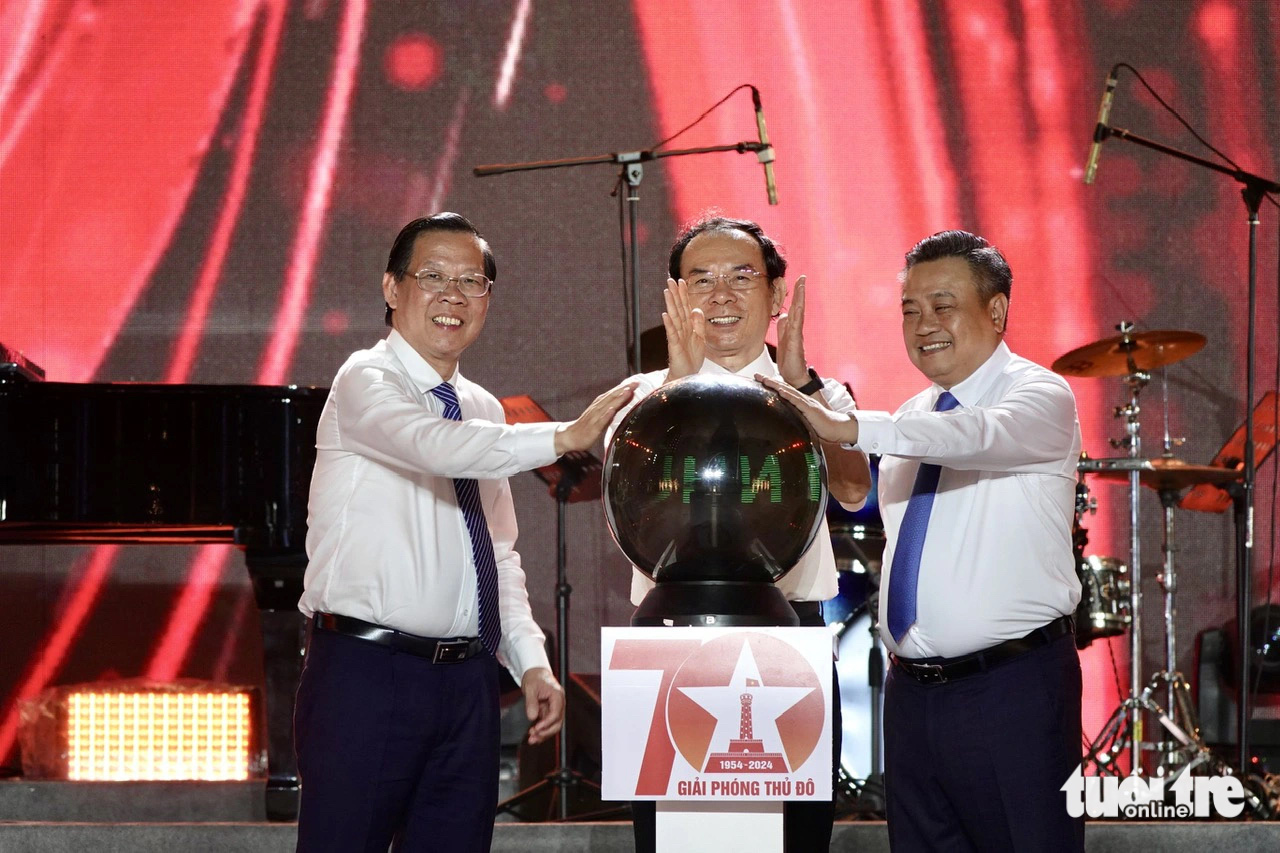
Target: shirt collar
969,391
422,373
762,364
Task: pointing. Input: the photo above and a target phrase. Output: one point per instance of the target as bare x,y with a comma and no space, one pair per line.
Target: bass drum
849,617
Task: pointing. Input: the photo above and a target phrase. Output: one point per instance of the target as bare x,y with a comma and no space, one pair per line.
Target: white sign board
716,714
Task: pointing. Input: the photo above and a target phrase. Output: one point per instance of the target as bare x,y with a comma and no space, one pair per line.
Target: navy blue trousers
393,749
977,764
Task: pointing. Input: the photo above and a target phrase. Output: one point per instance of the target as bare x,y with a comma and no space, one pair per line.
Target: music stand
1207,497
572,478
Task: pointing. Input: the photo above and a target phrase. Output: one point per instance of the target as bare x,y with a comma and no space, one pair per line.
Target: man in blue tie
982,703
414,589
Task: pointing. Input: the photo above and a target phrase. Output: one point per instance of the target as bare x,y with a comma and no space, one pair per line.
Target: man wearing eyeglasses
727,285
414,589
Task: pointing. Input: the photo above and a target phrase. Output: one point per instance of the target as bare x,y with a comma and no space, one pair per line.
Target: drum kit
1111,600
1111,591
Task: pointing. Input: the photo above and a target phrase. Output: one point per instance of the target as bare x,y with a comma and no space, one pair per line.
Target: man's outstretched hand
583,433
836,427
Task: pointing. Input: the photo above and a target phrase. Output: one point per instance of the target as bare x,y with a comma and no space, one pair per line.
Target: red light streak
211,561
188,342
302,256
54,650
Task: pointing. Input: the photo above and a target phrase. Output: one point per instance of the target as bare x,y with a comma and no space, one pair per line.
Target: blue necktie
468,492
904,576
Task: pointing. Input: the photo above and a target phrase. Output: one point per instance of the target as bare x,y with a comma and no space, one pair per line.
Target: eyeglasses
744,278
471,285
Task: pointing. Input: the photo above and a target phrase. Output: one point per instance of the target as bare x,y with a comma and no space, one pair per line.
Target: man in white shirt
727,285
982,703
414,589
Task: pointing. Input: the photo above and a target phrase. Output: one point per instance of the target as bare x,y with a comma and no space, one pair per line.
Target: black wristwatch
814,384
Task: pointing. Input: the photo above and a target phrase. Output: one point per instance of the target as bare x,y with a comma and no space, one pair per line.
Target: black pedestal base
713,604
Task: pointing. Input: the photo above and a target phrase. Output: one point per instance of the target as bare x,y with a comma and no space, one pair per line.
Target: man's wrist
814,384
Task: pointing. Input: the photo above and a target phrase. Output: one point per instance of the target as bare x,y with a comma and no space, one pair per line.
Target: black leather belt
437,651
942,670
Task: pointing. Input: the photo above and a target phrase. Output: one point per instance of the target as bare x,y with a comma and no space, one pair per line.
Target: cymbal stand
1177,690
1261,795
1132,442
1177,687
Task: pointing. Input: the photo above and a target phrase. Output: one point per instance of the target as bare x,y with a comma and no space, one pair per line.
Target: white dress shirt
386,540
998,560
814,577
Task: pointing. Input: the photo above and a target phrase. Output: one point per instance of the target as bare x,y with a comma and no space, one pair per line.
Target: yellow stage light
135,732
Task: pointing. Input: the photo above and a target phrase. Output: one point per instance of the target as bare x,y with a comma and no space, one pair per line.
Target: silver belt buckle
928,673
454,651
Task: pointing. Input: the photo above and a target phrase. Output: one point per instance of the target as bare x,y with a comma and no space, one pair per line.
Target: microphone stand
632,172
1255,187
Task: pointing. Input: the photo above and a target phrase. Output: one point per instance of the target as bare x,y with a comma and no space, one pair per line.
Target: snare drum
1104,609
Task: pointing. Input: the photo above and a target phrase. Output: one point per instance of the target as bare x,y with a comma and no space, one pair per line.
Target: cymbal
1123,354
1164,474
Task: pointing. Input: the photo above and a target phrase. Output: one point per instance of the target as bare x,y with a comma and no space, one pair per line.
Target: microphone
766,153
1102,129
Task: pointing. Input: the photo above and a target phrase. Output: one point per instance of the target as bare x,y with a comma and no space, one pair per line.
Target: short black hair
991,271
402,248
775,265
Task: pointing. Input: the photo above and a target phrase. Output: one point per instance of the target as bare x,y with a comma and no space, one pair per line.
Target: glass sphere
714,478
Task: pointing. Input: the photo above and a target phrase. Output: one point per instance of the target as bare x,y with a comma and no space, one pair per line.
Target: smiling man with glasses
414,589
727,286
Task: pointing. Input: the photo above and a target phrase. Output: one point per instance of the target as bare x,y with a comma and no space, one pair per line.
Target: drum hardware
1168,476
1261,795
1104,600
1163,473
1130,356
1191,754
1104,581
